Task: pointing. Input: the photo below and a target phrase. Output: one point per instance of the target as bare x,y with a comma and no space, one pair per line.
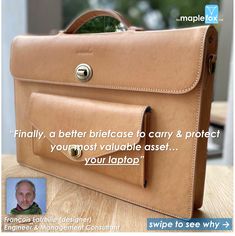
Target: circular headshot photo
26,196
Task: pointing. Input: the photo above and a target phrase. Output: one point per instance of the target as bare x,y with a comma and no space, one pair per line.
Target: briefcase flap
99,123
168,61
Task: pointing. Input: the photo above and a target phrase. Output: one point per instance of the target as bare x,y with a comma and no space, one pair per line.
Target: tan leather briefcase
118,85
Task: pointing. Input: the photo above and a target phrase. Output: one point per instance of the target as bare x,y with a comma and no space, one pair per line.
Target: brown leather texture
86,115
166,70
89,15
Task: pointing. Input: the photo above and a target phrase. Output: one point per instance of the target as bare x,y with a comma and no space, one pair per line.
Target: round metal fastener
83,72
75,151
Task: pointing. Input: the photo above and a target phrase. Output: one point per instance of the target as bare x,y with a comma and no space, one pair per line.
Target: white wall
224,51
224,76
228,140
14,22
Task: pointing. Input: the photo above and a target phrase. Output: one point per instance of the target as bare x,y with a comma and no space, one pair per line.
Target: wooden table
218,113
70,200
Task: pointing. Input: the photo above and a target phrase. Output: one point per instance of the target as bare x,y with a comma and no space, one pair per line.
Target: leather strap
84,18
212,63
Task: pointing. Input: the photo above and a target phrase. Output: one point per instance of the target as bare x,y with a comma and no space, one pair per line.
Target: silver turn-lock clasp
75,152
83,72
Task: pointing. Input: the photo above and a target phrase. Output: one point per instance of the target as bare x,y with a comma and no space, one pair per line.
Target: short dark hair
26,181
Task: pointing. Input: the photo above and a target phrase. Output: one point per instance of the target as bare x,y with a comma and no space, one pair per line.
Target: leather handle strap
84,18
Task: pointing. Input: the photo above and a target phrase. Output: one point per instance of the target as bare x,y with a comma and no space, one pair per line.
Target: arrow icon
226,225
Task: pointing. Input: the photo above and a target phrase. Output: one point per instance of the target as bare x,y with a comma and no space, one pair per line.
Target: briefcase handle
85,17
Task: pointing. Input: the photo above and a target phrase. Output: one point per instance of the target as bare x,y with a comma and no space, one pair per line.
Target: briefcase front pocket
97,135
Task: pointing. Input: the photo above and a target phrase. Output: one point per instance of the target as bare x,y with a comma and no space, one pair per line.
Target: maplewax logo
211,15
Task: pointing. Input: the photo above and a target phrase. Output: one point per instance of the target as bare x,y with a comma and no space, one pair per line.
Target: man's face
25,195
